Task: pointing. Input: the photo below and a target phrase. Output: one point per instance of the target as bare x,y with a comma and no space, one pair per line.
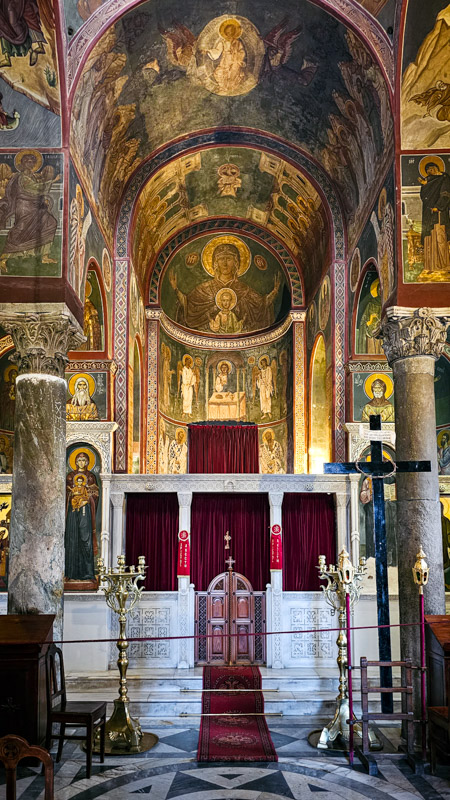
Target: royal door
227,617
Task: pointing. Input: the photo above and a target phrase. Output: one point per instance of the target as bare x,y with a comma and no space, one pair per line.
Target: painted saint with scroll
226,258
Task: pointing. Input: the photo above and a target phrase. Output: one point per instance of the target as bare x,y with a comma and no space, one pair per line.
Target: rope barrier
4,642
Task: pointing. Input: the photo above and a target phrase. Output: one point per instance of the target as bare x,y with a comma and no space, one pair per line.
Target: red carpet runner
228,738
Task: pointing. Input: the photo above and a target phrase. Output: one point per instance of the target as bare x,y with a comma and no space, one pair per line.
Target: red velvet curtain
309,530
223,448
152,531
246,517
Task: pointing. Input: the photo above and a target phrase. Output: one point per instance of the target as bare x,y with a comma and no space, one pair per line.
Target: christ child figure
79,496
226,320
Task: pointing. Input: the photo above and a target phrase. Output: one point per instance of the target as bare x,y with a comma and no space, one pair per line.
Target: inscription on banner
184,560
276,548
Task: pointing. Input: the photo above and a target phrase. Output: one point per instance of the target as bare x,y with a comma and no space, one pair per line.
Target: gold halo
430,160
35,153
88,378
228,363
7,441
440,435
382,200
183,360
217,298
198,361
208,253
268,430
378,376
183,431
8,371
75,453
88,288
266,357
83,478
251,360
375,287
236,28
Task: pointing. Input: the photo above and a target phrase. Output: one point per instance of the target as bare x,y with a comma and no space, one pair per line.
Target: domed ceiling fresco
165,72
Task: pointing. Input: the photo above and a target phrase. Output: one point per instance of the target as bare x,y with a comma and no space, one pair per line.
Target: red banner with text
276,548
184,560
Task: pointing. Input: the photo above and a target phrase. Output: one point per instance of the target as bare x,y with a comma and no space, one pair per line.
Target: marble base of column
36,559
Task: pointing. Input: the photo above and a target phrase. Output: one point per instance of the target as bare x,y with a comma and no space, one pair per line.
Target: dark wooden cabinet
23,644
438,659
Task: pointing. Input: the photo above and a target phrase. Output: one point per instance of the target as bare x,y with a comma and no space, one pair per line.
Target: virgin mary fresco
225,258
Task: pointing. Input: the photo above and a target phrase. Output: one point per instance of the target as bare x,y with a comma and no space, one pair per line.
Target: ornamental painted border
120,356
339,357
152,397
299,398
243,226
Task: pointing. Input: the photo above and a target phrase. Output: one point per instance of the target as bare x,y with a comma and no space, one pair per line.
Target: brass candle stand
342,579
123,732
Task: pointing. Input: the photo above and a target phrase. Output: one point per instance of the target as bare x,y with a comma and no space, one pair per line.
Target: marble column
413,339
342,522
42,337
185,592
355,537
274,594
118,535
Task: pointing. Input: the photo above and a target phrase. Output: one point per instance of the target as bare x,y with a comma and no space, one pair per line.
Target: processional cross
227,538
377,469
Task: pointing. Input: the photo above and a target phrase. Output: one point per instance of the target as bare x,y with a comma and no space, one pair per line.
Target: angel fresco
225,258
264,379
230,57
186,379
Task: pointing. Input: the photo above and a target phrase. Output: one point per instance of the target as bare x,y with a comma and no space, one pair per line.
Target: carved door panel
214,625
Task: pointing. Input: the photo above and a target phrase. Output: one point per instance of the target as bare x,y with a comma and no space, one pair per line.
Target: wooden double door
227,618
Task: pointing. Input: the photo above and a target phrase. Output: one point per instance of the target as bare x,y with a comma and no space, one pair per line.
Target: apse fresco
426,218
368,316
232,182
30,231
83,526
373,393
93,325
87,396
252,385
425,100
273,449
172,448
5,521
224,285
28,59
202,68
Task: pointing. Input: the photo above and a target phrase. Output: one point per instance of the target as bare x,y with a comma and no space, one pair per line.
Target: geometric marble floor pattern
170,772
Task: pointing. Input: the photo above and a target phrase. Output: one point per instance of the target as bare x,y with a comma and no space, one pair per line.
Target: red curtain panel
152,531
309,530
246,517
223,448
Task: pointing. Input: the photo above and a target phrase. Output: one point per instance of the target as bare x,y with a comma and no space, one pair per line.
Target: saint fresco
5,522
237,297
86,396
369,317
373,394
30,217
83,517
93,328
426,218
8,375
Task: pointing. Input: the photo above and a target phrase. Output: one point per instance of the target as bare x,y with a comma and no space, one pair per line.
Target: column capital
117,499
410,332
276,499
42,334
184,499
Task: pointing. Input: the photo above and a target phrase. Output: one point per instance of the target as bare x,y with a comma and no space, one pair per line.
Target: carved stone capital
276,499
184,499
414,332
42,337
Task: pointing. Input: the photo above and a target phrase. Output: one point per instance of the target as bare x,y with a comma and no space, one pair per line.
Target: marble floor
170,772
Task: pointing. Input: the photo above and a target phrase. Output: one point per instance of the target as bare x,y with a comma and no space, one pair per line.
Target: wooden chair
76,714
438,734
12,750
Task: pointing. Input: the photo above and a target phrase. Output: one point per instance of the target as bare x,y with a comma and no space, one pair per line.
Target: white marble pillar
342,521
186,595
42,336
274,594
118,528
413,339
106,518
355,537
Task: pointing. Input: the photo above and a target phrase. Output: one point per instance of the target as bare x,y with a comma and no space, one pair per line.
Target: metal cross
377,469
227,538
230,562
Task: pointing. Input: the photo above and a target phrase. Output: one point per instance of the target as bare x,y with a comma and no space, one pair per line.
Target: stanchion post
421,573
351,746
